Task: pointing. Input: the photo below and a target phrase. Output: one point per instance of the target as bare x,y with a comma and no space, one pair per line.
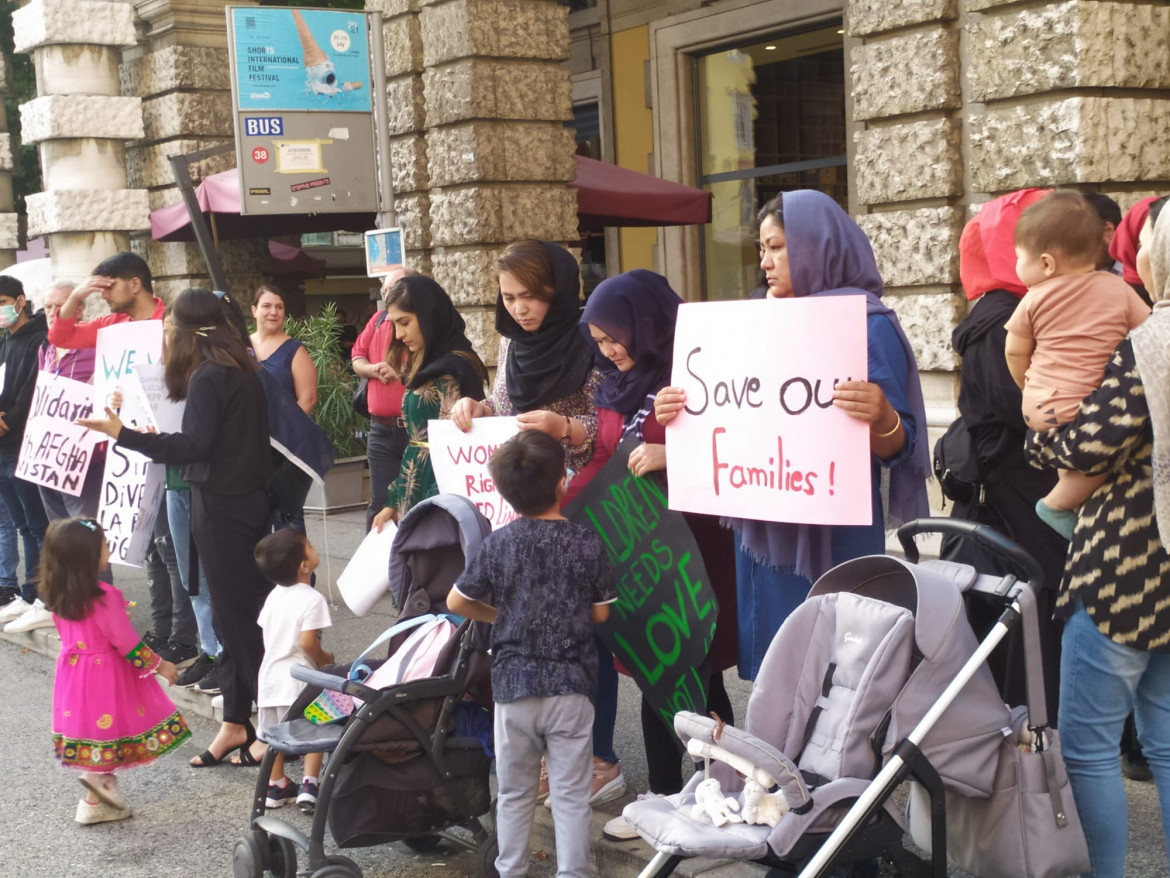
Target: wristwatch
566,437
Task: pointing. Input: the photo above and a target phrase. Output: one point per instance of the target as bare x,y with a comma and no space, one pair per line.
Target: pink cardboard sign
760,437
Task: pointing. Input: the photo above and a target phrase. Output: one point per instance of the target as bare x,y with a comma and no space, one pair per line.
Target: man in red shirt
124,283
387,437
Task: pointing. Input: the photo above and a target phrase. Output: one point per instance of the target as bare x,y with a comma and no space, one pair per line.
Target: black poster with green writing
661,626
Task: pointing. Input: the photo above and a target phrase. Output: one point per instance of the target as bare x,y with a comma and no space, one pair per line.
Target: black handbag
361,403
956,465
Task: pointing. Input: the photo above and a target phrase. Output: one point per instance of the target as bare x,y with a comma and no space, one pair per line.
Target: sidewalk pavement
337,536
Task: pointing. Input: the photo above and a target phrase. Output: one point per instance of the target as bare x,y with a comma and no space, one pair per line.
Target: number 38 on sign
260,155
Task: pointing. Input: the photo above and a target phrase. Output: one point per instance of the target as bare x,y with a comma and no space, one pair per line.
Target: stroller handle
1026,567
332,682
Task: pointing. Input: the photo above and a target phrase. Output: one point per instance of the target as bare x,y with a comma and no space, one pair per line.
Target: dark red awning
607,195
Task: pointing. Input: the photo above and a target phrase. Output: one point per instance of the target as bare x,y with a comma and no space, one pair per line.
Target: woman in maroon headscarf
1124,246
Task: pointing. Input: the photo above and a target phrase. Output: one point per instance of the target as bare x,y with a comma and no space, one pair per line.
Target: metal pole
387,217
180,168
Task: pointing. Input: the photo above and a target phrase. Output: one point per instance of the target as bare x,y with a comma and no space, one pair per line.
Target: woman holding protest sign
629,321
441,368
809,246
223,453
547,380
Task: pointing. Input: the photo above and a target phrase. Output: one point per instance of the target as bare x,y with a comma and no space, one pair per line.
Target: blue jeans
605,708
23,500
385,446
9,553
1100,683
179,516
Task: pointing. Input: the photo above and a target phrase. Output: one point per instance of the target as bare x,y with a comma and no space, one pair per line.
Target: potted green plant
333,412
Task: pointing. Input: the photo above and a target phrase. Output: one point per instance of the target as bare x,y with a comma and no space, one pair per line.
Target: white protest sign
145,404
55,452
131,492
120,348
367,575
760,437
460,462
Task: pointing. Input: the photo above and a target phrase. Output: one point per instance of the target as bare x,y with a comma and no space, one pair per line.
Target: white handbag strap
359,666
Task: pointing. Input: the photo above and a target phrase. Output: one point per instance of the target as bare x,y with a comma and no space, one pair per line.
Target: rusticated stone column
9,220
498,155
81,124
180,71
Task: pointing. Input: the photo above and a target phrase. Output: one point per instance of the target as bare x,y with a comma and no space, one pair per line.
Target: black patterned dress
1117,565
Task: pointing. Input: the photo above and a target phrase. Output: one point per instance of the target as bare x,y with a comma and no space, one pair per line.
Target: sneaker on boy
307,800
279,796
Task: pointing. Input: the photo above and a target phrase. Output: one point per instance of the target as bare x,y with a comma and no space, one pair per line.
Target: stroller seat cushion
299,736
667,824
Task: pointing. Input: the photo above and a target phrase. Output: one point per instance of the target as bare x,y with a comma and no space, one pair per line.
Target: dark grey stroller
401,767
875,679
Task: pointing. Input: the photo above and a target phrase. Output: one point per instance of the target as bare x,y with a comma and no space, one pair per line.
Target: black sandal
207,759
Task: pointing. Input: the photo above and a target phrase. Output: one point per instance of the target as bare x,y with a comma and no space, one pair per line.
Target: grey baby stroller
875,679
412,760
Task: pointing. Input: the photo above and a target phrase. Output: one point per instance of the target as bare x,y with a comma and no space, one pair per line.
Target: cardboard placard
56,452
132,489
760,437
662,624
460,463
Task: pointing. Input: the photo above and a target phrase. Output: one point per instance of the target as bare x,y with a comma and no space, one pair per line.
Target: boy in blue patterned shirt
543,582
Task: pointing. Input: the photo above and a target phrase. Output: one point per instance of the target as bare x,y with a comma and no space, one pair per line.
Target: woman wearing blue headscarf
809,246
629,323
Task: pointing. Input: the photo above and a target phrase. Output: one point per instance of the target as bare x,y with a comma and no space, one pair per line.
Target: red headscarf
1124,246
987,248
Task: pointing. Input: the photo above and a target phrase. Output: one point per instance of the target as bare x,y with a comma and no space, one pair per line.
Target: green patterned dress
416,479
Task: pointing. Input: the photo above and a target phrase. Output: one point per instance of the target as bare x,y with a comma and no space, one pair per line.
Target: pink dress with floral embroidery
108,712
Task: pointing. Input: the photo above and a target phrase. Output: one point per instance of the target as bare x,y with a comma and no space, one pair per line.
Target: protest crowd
1064,432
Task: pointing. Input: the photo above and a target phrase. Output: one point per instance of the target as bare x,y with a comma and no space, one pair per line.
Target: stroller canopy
434,542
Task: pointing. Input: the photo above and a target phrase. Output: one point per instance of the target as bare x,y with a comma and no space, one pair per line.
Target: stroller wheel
338,867
488,851
284,857
423,843
247,859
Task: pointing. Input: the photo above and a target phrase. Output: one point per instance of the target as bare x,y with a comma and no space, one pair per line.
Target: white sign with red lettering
460,462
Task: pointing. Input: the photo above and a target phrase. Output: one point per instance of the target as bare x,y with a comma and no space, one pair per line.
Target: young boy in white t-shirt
292,619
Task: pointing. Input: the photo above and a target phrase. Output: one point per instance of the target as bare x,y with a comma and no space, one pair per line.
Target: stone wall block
184,259
414,216
876,16
1133,157
6,160
904,162
479,89
546,212
481,332
403,42
469,275
68,116
915,247
83,163
148,166
924,64
199,68
1043,144
69,70
9,231
91,22
178,114
495,29
83,210
928,319
1141,44
484,151
390,8
466,215
408,157
406,104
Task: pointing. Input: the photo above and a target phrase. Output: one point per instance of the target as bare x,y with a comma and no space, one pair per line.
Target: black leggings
664,751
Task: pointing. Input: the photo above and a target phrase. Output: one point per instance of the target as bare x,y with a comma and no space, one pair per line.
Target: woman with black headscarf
441,368
546,376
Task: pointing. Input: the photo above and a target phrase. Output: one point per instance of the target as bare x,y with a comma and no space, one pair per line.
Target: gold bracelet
892,431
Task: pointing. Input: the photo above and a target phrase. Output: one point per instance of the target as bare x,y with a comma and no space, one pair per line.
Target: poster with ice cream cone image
301,59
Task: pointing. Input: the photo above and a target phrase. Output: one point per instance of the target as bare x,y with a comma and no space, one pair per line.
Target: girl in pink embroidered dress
108,712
